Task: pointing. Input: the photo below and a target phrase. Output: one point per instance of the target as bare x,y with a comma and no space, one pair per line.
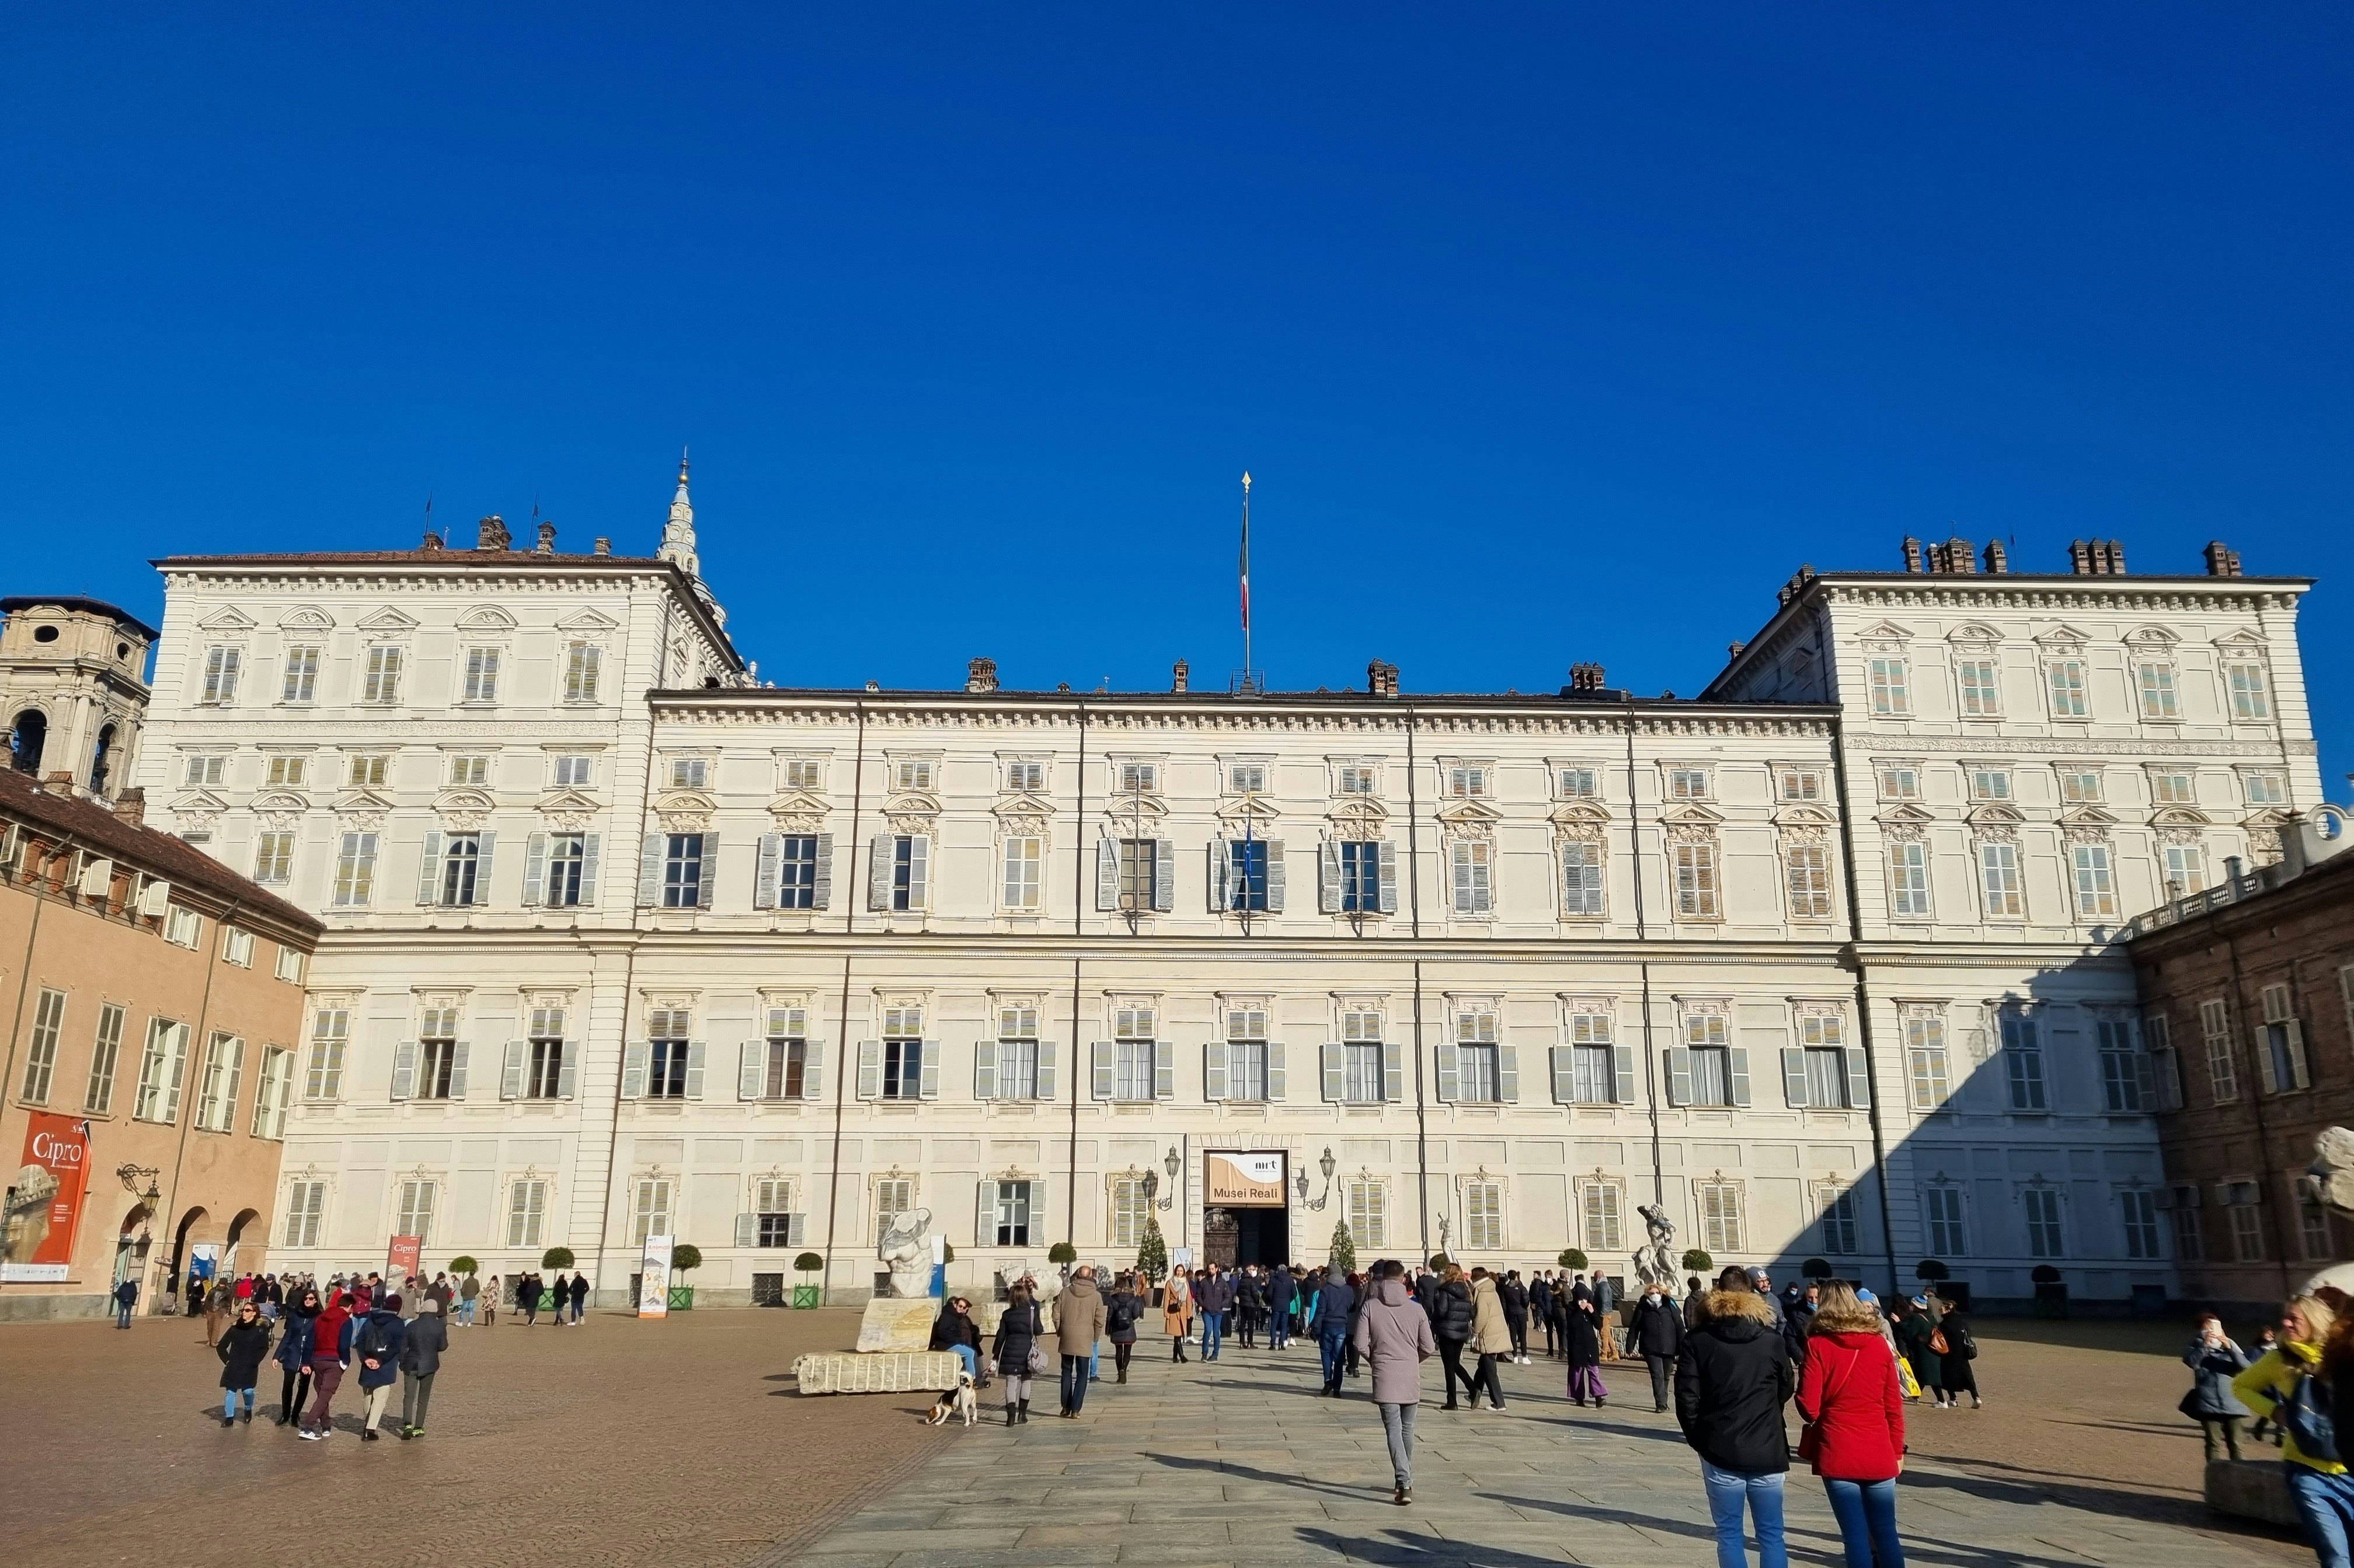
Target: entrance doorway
1233,1238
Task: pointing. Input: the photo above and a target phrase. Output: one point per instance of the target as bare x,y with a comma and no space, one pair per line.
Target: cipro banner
45,1201
403,1258
1231,1181
654,1279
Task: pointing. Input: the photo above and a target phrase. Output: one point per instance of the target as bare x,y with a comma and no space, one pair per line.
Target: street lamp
1152,1183
1300,1183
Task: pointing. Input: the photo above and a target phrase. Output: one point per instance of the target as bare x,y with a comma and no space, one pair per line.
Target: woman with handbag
1020,1356
1853,1407
2281,1386
1177,1312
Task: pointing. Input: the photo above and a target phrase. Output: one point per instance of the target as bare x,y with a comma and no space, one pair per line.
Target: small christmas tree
1571,1259
1344,1248
1152,1253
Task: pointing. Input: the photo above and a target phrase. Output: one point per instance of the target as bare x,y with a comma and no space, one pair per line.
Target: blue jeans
1074,1383
1278,1330
1332,1345
1727,1490
229,1402
123,1315
2326,1504
1213,1335
971,1359
466,1311
1866,1511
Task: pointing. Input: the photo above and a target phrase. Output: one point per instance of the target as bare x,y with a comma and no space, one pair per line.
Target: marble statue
1655,1263
906,1251
2329,1181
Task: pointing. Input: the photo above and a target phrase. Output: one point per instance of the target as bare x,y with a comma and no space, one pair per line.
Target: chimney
432,546
1180,677
1585,677
1381,679
495,535
130,807
2222,561
1997,559
981,676
603,546
1961,557
546,545
1733,651
1912,554
2080,558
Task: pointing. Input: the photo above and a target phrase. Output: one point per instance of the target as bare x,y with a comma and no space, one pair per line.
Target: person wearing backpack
2285,1385
376,1343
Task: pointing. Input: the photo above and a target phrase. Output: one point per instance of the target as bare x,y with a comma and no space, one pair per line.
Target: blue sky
1550,333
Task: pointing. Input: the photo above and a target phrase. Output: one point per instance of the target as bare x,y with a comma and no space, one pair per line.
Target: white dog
957,1401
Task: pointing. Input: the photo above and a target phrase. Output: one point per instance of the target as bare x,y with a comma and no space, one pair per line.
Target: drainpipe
1864,1007
203,1019
845,1064
1078,919
1650,1055
1414,929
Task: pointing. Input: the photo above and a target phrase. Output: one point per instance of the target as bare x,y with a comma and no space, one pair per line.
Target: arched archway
132,1243
231,1263
27,738
179,1271
102,758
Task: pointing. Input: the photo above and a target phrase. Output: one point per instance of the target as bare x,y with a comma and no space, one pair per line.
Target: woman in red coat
1854,1411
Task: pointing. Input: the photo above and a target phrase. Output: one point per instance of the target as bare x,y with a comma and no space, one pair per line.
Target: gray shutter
589,845
1165,1069
1389,877
1038,1231
535,868
1859,1081
748,1229
1220,866
870,1068
1328,878
1214,1070
1622,1069
878,872
567,1070
984,1069
459,1052
984,1215
1107,874
1450,1071
764,877
919,857
429,870
795,1225
1335,1083
635,1058
404,1070
752,1070
821,894
927,1086
1046,1069
1392,1072
1508,1074
1274,1070
511,1072
1679,1090
1275,876
1564,1074
1794,1076
1164,876
812,1069
484,856
1737,1074
710,881
1102,1085
649,870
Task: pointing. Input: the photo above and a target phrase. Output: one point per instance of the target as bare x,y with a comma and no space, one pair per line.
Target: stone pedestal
897,1323
888,1371
2251,1488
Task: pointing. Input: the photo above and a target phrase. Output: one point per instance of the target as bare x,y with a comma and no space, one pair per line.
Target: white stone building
622,941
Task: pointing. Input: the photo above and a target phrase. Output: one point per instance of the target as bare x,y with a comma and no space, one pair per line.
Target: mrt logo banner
44,1199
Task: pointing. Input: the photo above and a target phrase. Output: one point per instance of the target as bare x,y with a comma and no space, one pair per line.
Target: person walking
1282,1300
1491,1338
1123,1309
126,1297
427,1337
1514,1297
555,1297
1330,1329
1212,1301
1656,1335
216,1308
470,1295
1606,1314
2214,1359
1250,1301
1959,1377
1582,1338
1019,1330
1393,1335
1797,1319
244,1345
1450,1326
331,1353
1914,1334
580,1295
1177,1313
527,1298
1079,1324
293,1356
2276,1387
1730,1384
1853,1409
489,1301
1540,1309
378,1342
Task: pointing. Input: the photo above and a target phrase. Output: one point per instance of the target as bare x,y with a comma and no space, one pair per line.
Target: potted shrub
1062,1255
1698,1262
683,1256
556,1257
1439,1260
465,1264
804,1293
2051,1292
1571,1259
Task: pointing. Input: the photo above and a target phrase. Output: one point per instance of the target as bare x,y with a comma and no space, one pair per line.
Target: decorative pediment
1580,818
1974,631
1690,816
2241,642
2061,639
198,800
798,804
279,800
686,800
1022,815
2179,816
911,804
2155,638
1905,822
1990,820
2087,817
362,800
1357,816
1255,810
465,802
567,802
587,621
1466,816
1800,816
486,618
388,620
229,618
1145,809
1883,631
306,617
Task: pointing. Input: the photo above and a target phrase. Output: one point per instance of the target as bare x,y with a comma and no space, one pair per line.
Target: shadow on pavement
1917,1548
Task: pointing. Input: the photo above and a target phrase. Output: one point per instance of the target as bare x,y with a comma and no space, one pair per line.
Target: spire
678,533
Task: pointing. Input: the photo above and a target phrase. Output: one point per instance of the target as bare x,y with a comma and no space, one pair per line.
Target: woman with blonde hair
1177,1312
1853,1408
2279,1387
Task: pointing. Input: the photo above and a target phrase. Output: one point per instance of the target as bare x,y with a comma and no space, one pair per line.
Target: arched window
102,758
27,740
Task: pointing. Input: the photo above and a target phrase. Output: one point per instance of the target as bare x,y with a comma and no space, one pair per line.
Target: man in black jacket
1514,1297
1282,1296
1656,1335
1730,1384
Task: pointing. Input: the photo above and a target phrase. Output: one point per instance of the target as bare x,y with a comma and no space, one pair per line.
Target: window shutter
535,868
1508,1074
1680,1090
568,1071
870,1069
2296,1065
429,870
927,1086
1038,1231
710,881
511,1070
764,878
984,1215
489,845
459,1052
2146,1081
1564,1080
752,1070
1392,1072
1102,1087
1214,1070
1107,874
1275,878
813,1069
1274,1070
404,1070
1335,1083
1164,876
2265,1062
1794,1076
795,1227
589,844
821,888
635,1056
1737,1072
1221,863
1046,1069
919,855
984,1069
1622,1065
1859,1080
650,868
1450,1071
1389,881
1328,878
1165,1069
878,872
748,1229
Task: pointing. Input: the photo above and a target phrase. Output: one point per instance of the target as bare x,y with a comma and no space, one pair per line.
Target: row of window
2237,1232
2082,783
383,671
163,1069
2002,891
2276,1043
2067,691
372,769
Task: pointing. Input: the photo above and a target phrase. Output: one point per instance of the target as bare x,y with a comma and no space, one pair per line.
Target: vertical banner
403,1258
654,1278
45,1201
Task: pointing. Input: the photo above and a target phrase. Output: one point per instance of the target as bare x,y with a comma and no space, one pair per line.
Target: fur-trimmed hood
1725,1305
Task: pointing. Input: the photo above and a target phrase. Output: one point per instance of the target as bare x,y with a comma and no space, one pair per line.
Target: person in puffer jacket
1450,1326
1854,1411
1730,1384
1393,1335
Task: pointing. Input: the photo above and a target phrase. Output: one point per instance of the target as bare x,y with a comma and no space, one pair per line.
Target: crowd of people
2291,1384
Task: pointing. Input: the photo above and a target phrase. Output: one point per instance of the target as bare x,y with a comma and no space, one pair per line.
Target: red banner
45,1209
407,1255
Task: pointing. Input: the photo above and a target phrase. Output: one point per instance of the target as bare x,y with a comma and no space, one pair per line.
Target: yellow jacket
2263,1385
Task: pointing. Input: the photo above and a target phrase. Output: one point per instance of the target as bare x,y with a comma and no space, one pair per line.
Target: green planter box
681,1298
804,1294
